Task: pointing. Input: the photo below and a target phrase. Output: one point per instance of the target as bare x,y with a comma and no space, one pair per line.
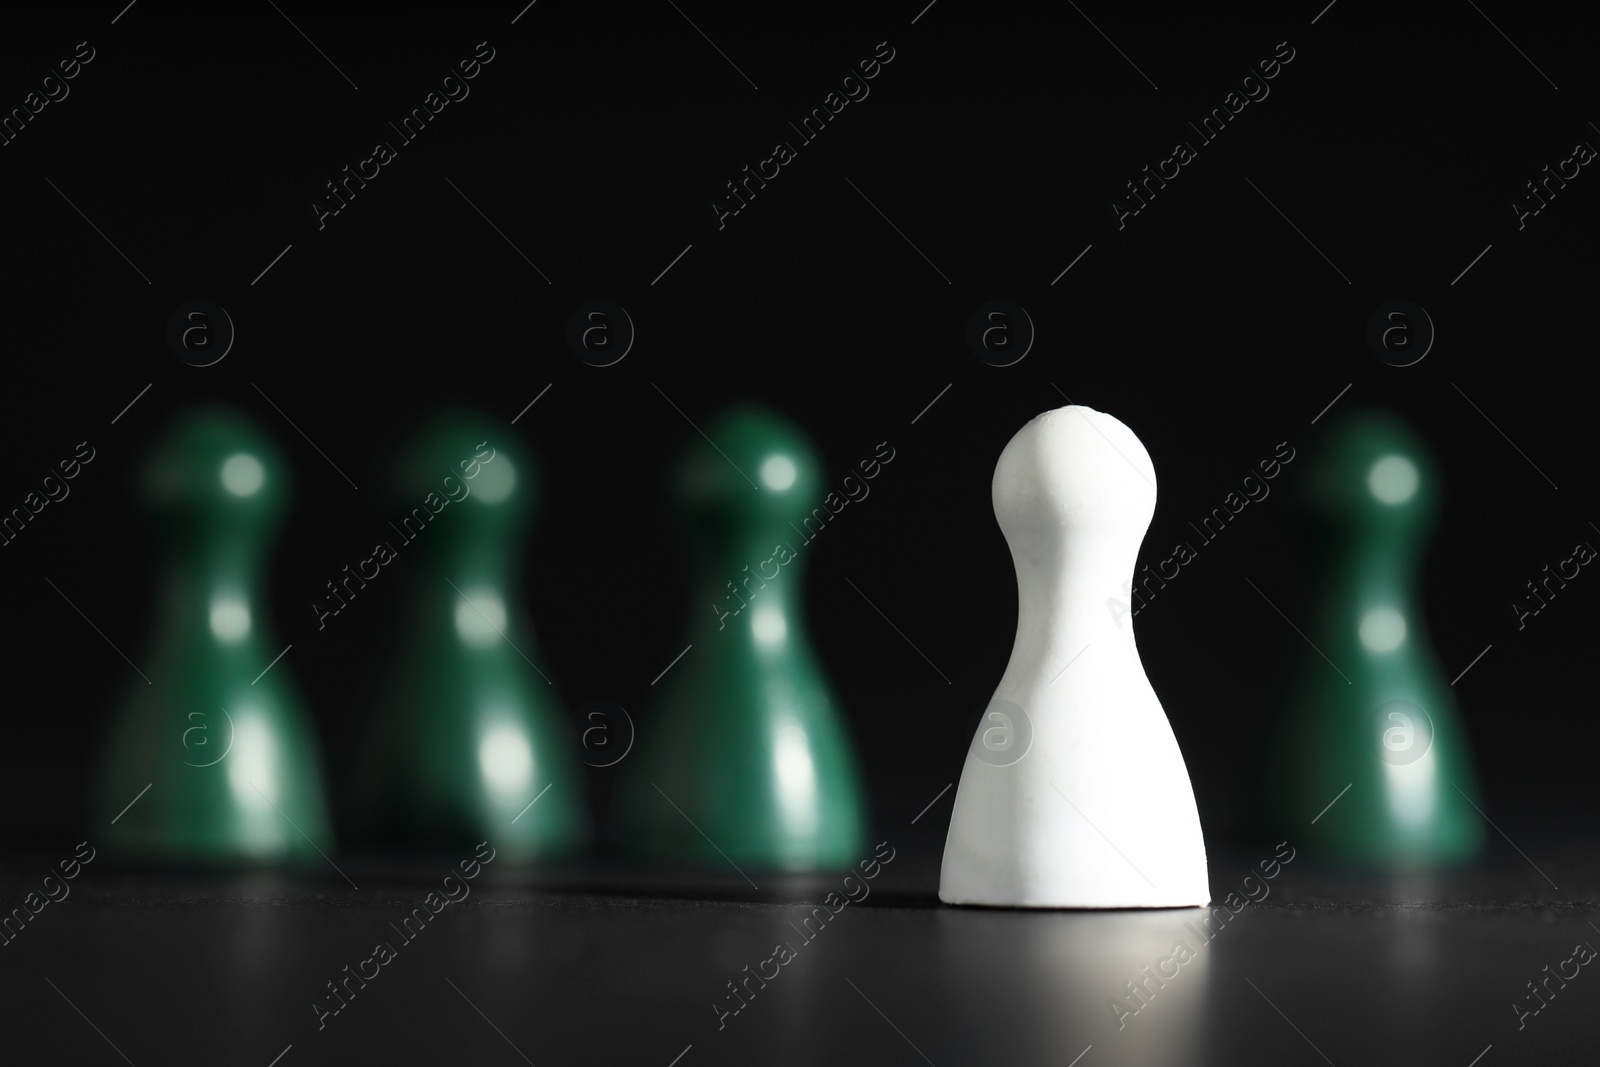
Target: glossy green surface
228,752
1373,492
470,732
745,756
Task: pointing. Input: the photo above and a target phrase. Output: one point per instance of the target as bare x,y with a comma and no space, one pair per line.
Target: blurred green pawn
219,733
469,743
746,757
1388,727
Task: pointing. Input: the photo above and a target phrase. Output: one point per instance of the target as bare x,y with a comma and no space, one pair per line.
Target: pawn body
1074,793
745,756
469,732
228,751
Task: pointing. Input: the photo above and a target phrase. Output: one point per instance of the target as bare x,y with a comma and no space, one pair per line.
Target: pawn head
1372,477
471,465
1073,472
216,473
758,475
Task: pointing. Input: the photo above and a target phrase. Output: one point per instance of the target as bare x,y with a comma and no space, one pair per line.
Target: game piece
1373,710
469,743
746,757
1074,793
218,734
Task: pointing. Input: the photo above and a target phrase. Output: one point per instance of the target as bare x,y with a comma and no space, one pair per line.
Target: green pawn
1383,720
469,744
746,759
219,734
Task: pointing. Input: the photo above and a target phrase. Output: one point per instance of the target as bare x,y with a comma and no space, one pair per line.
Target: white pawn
1074,793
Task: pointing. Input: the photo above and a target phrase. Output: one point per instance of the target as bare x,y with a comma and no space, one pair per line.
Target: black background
994,140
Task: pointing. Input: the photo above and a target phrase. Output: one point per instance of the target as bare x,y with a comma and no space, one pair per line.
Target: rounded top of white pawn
1074,469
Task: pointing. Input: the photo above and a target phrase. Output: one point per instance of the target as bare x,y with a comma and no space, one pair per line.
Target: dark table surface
600,965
